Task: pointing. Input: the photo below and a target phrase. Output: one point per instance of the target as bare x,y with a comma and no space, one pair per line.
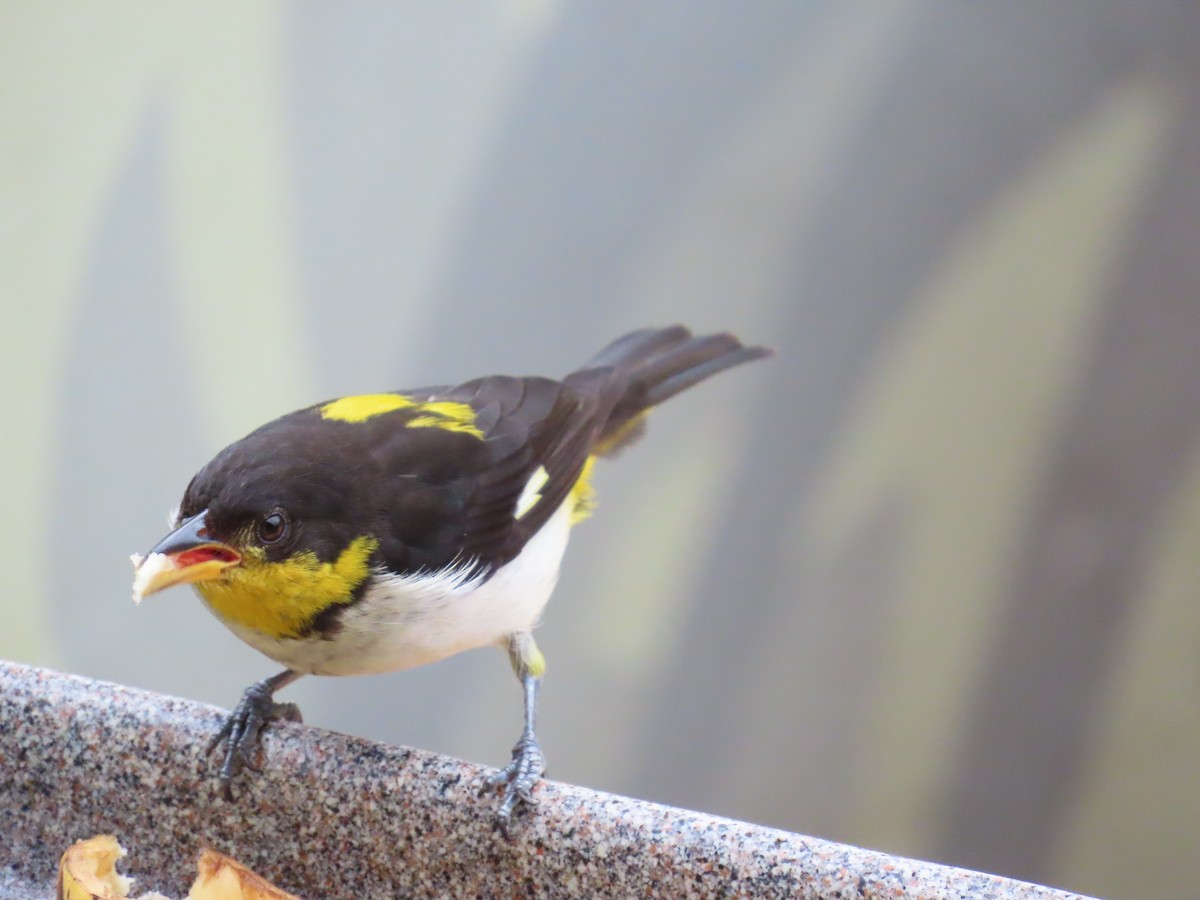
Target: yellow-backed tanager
384,531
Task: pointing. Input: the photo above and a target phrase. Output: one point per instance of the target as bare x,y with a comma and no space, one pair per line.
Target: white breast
409,620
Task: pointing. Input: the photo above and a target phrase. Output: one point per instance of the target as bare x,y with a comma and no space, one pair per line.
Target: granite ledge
334,816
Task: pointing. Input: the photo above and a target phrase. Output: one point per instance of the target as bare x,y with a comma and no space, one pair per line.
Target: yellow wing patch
364,406
449,415
281,598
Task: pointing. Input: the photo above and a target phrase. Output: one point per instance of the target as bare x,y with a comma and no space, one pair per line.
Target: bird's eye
272,528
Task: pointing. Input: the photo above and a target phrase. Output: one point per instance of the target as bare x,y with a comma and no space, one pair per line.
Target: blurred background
927,581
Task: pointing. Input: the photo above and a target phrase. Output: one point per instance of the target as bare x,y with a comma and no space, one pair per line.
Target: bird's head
270,533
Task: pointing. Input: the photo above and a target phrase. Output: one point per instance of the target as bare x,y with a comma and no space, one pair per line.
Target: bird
379,532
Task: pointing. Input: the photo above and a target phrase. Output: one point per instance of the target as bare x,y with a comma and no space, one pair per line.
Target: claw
216,739
241,730
518,778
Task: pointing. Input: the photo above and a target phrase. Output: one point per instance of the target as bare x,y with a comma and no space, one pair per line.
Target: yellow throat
281,598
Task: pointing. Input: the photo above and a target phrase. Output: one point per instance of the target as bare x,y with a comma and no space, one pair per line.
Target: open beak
185,555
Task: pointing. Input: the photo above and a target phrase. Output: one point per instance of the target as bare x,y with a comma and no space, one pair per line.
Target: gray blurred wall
926,581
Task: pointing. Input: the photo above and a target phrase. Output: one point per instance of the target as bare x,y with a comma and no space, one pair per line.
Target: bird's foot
518,778
241,731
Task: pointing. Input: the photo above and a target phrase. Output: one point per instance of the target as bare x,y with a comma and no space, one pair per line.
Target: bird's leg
528,764
240,731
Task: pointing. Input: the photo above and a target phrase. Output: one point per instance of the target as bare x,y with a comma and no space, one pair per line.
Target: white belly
409,620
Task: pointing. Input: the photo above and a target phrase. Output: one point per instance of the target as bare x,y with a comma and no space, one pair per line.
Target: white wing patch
532,492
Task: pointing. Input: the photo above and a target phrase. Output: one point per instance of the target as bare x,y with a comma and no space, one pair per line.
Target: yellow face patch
281,598
449,415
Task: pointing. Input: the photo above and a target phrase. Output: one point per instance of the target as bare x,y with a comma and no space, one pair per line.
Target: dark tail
646,367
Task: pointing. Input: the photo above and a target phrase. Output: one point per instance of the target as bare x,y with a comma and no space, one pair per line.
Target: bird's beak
185,555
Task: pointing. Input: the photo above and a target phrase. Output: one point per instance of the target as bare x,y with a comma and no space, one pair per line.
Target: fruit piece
223,878
87,871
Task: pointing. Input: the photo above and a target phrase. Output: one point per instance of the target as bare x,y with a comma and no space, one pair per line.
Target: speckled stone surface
331,816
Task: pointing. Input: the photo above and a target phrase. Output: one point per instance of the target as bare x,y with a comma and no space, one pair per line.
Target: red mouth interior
205,554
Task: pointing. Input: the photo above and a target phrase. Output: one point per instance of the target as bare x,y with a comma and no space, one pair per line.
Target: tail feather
693,362
638,346
643,368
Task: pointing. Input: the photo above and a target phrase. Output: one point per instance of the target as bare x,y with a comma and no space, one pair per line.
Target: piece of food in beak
185,555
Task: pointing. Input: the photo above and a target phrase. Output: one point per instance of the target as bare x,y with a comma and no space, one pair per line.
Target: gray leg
240,731
528,764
